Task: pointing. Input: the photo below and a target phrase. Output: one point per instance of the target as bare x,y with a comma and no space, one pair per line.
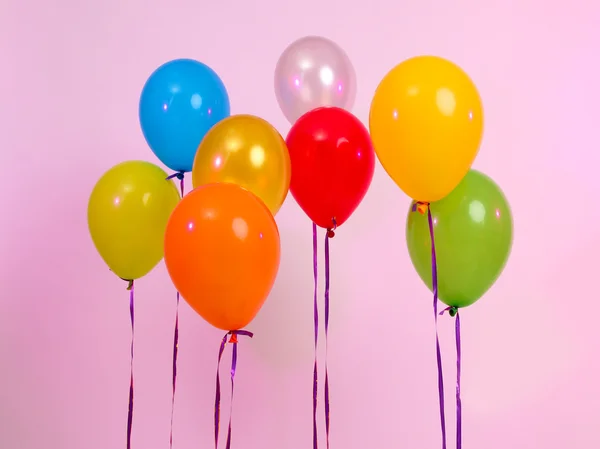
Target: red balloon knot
233,338
331,231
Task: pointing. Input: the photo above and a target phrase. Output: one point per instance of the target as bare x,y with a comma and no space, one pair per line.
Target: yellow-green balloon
473,228
128,213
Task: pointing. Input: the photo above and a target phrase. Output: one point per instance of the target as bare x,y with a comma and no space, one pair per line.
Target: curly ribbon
423,208
316,318
180,176
130,407
329,235
453,311
175,349
233,340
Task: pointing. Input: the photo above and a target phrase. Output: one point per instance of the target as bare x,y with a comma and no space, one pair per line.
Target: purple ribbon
316,318
180,177
130,407
454,312
329,235
458,400
175,349
434,284
233,340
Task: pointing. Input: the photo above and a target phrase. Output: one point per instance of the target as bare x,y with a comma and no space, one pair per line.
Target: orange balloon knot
236,333
420,206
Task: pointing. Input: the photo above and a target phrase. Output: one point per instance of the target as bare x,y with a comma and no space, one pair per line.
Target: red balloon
332,164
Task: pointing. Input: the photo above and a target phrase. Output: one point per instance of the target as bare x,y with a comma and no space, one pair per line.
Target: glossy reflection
247,151
222,252
128,212
332,164
426,122
179,103
313,72
473,238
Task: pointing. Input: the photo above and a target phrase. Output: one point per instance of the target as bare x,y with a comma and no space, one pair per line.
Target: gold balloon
247,151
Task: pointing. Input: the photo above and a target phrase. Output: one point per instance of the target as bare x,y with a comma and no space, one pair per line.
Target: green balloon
473,237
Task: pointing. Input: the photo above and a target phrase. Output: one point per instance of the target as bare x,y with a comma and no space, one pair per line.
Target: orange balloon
222,252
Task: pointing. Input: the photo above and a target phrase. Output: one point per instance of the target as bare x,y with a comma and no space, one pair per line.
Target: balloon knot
179,175
452,311
233,338
129,284
331,231
420,206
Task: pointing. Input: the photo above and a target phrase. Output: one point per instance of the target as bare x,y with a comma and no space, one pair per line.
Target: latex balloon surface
247,151
332,164
180,102
313,72
426,122
127,213
222,252
473,238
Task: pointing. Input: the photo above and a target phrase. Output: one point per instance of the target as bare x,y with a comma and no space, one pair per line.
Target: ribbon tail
327,280
458,399
434,284
179,176
234,342
218,392
130,407
175,350
233,368
316,326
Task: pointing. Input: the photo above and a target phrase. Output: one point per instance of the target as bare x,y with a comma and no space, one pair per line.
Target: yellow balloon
128,213
247,151
426,122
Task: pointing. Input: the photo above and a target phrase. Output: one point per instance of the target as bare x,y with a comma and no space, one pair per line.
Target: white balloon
313,72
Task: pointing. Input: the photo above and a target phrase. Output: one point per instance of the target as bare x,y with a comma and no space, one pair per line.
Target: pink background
70,81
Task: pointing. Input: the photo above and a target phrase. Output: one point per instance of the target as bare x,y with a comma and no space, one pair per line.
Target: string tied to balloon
424,208
328,236
316,325
130,288
180,176
330,233
453,312
233,339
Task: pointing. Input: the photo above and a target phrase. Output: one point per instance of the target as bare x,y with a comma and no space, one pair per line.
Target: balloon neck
233,338
420,206
453,311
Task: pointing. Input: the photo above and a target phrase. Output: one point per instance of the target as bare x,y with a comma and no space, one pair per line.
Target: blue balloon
180,102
